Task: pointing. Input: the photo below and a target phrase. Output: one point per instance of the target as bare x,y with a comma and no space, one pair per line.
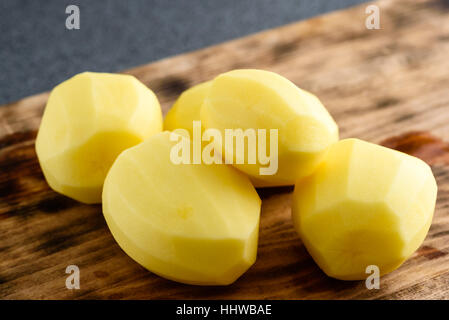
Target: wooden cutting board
387,86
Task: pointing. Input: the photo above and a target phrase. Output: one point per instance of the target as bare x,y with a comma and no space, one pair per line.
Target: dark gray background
37,51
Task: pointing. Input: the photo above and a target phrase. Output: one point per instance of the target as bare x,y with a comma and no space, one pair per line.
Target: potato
186,108
89,119
196,224
257,99
365,205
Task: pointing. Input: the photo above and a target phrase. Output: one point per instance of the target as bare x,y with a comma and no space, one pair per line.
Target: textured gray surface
37,51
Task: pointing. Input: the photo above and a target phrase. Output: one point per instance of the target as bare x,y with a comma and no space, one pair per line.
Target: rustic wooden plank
387,86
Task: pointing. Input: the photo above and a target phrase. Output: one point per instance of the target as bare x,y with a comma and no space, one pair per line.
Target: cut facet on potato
365,205
257,99
195,224
89,119
186,108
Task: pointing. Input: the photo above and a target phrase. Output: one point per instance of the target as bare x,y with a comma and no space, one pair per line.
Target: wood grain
389,85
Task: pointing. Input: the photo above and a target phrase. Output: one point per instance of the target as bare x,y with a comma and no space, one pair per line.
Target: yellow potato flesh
259,99
195,224
187,108
89,119
365,205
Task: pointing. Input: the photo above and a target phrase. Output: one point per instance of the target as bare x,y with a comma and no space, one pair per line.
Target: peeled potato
365,205
196,224
257,99
89,119
187,108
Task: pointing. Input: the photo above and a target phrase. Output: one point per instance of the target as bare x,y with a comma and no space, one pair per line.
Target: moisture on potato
365,205
196,224
89,119
257,99
186,108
